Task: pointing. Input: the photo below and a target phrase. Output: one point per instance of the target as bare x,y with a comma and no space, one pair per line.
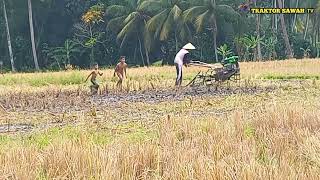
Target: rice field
264,127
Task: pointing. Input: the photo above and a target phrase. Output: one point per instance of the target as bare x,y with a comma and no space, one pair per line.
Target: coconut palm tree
129,22
167,20
8,35
315,19
204,15
289,51
34,52
295,16
258,21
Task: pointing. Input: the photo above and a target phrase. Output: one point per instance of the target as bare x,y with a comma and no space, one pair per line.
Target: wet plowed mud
13,128
178,95
54,107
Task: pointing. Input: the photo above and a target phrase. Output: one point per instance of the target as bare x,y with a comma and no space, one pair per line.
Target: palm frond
156,22
130,17
168,25
197,2
138,2
115,24
164,2
116,10
228,13
150,6
200,20
148,39
191,14
128,28
183,4
185,33
124,40
176,11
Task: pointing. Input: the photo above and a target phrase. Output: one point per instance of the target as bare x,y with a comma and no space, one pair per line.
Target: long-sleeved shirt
180,56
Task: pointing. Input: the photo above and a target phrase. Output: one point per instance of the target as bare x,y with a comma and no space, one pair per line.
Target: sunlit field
264,127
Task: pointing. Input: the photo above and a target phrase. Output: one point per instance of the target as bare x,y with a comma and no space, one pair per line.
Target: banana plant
248,43
224,51
251,42
270,45
306,52
65,53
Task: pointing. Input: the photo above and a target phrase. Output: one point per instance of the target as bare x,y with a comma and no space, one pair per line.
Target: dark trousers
179,74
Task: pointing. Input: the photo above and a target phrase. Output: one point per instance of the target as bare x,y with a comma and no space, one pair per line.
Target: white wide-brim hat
189,46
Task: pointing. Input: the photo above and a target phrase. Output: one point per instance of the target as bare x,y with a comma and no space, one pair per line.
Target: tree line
49,34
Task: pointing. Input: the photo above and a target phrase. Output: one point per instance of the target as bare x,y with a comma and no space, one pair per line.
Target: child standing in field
93,75
121,71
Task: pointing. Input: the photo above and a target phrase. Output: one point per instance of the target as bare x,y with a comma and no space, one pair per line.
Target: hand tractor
216,74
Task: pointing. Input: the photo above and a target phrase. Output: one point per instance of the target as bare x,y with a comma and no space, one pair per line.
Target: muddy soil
45,104
159,96
14,128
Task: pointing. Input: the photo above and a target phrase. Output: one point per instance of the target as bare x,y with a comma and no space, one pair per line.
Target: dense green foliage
80,32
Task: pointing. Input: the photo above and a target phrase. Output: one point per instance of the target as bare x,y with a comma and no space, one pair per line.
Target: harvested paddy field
49,106
264,127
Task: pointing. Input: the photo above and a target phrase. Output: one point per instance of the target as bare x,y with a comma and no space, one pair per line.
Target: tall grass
43,79
273,143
